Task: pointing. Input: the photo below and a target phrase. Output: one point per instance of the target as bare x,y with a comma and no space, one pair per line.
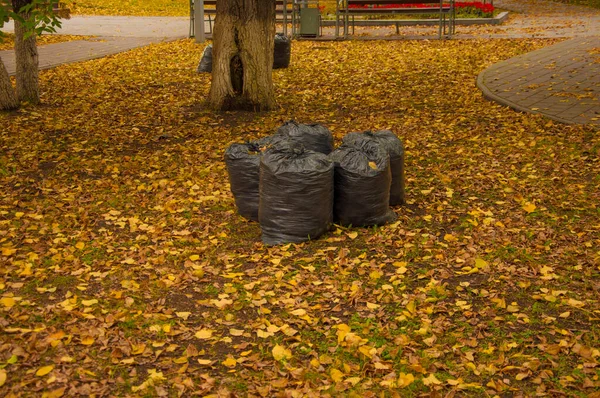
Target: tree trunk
27,65
8,99
243,55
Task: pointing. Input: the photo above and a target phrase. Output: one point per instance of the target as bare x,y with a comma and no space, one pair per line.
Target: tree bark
26,53
243,55
8,99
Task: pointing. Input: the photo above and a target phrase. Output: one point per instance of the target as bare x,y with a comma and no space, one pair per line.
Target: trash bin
310,18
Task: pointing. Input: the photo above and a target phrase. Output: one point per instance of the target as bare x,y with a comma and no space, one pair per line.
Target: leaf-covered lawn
163,8
179,8
124,267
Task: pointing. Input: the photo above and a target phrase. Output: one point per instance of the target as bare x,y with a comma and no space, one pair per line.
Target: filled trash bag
392,144
282,52
243,164
296,194
362,185
205,64
313,137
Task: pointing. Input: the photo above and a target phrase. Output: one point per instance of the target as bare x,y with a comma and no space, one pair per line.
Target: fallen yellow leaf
204,334
281,353
405,379
529,207
230,362
7,302
44,370
431,379
336,375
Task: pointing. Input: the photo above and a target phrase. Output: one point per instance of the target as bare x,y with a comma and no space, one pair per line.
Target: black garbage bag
282,52
314,137
394,147
296,194
243,165
362,185
205,64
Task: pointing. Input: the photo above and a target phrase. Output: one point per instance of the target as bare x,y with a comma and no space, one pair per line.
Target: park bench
346,10
283,12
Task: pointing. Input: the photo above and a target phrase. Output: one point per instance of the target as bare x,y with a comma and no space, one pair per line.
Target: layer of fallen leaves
124,267
163,8
8,40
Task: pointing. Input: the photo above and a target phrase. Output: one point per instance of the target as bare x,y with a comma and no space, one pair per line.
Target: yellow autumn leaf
373,165
80,245
230,362
236,332
204,334
8,251
7,302
87,340
372,306
44,370
2,377
183,315
281,353
480,263
529,207
405,379
353,380
431,379
353,235
299,312
194,257
343,330
336,375
88,303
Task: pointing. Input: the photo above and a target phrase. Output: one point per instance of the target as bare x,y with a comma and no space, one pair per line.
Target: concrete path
53,55
561,82
113,35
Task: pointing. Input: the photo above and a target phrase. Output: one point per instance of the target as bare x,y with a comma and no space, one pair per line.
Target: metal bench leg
346,26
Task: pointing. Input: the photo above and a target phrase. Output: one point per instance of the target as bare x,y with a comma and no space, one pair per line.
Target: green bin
310,21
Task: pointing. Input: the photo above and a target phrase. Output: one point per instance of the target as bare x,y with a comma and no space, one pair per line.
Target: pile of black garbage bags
282,52
295,184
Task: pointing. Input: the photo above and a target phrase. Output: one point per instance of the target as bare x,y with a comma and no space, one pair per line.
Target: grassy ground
8,40
124,268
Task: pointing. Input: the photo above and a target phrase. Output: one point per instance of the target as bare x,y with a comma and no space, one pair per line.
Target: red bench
347,9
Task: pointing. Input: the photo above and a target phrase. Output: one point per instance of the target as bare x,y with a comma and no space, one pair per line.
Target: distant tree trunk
243,55
26,55
8,99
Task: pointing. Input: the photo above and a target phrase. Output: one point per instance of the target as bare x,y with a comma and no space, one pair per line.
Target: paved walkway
561,82
113,35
